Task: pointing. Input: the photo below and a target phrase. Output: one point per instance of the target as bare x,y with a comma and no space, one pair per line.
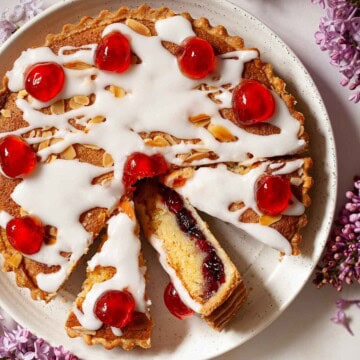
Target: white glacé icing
158,98
121,250
5,217
58,193
201,192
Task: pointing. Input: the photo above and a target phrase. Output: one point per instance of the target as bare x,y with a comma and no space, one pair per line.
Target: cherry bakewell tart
139,117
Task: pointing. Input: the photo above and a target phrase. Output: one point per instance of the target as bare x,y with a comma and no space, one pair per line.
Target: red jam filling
213,267
113,53
17,158
273,194
196,58
252,102
44,81
115,308
25,234
174,304
139,166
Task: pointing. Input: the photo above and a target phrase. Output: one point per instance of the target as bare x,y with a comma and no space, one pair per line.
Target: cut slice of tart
266,199
112,308
202,274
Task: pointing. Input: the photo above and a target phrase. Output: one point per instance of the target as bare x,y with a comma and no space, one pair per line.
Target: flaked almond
221,133
91,146
170,139
267,220
127,208
15,260
157,141
53,231
6,113
82,100
69,153
83,331
138,27
200,120
296,181
44,144
77,65
117,91
235,206
213,97
23,212
51,159
107,160
22,94
97,120
179,177
58,107
197,156
46,134
55,141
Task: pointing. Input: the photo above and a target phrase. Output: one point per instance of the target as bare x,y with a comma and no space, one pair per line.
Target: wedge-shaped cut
200,270
235,203
118,265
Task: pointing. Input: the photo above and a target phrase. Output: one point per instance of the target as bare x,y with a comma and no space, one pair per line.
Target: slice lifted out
201,272
114,290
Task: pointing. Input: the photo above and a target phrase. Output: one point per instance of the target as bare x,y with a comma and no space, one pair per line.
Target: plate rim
325,119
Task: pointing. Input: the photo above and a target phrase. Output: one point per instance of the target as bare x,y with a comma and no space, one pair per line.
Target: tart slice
266,199
201,273
112,308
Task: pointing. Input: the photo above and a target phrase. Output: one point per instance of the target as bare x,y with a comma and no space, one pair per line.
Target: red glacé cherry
115,308
113,53
273,194
196,58
252,102
25,234
44,81
139,166
174,304
17,158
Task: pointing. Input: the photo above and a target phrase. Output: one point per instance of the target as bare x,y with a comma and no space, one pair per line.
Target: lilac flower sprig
339,34
341,261
21,344
340,317
12,19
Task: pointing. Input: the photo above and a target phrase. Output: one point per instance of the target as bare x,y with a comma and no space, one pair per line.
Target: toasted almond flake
15,260
296,181
55,141
69,153
46,134
128,209
235,206
170,139
58,107
84,331
157,141
6,113
178,178
74,105
212,97
44,144
138,27
82,100
267,220
196,156
91,146
200,120
77,65
53,231
22,94
23,212
221,133
301,131
97,120
30,99
107,160
32,134
117,91
51,159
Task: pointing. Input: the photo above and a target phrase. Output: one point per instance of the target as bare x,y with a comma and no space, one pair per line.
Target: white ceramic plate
273,284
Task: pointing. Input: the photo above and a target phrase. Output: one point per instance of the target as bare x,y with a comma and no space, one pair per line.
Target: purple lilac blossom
340,317
341,261
12,19
339,34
